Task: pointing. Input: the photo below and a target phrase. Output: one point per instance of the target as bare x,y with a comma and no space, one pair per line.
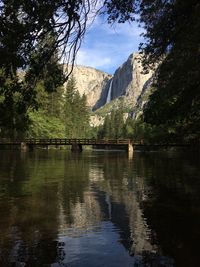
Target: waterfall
108,99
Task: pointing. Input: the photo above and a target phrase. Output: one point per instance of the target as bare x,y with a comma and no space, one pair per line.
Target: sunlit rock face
93,83
129,79
101,88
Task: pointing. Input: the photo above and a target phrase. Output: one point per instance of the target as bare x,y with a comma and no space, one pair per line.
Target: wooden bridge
76,143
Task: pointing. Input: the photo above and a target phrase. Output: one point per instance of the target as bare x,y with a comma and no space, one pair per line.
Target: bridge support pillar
130,151
76,148
24,146
130,148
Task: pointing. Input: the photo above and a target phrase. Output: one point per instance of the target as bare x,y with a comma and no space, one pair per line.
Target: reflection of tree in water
150,259
172,203
28,208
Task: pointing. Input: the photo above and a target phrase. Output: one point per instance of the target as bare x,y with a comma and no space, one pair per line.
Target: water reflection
99,209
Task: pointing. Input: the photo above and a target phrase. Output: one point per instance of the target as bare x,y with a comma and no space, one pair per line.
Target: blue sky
106,47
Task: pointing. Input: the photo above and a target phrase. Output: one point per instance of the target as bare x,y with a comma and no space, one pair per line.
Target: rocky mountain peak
101,88
129,79
91,82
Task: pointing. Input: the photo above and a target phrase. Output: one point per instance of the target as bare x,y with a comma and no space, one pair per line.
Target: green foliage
139,131
119,10
115,104
19,94
76,113
176,101
29,40
51,103
129,128
42,69
44,126
113,126
62,114
13,104
48,121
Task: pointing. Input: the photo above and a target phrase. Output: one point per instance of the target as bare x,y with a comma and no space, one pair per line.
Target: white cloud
93,58
107,47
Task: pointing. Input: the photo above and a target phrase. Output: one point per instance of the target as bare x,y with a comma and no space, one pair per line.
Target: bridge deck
86,141
64,141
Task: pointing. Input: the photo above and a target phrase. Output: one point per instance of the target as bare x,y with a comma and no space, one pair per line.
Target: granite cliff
100,88
91,82
129,79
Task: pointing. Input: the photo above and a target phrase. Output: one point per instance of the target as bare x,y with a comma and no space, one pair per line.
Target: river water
99,208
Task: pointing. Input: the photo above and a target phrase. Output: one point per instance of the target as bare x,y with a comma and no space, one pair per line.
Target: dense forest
63,113
36,35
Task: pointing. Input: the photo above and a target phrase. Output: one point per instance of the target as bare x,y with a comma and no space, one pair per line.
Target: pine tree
113,126
118,123
106,127
76,111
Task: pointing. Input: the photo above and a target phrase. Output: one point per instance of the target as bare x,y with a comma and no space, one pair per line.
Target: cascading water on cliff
108,99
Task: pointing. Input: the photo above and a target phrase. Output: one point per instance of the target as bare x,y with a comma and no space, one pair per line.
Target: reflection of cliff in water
127,216
119,203
150,200
113,197
151,203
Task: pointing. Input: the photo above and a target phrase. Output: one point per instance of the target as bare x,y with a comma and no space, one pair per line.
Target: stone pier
26,147
130,151
130,148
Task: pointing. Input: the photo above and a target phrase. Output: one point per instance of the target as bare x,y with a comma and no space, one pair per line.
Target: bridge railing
64,141
82,141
